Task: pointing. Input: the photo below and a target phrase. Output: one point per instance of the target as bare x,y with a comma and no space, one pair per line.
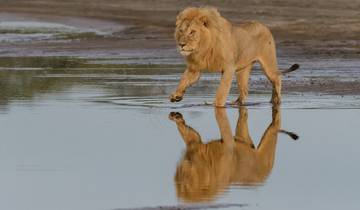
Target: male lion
207,169
208,41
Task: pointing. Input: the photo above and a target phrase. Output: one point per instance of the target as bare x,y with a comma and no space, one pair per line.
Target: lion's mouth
185,52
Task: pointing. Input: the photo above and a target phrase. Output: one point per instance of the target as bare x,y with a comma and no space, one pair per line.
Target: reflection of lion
208,41
208,169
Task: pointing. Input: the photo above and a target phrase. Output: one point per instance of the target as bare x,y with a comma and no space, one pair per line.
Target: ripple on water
256,102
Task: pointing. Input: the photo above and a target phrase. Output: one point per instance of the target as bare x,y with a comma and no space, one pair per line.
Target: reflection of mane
198,176
208,169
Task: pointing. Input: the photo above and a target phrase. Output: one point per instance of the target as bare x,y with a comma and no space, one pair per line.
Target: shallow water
99,137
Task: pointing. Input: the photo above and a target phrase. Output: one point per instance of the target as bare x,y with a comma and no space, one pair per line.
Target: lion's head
194,29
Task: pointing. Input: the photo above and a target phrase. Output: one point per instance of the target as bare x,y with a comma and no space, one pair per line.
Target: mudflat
323,27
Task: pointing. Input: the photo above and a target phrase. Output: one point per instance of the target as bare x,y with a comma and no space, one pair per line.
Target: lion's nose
182,44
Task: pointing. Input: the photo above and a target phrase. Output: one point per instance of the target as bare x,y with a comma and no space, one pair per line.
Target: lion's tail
292,68
293,135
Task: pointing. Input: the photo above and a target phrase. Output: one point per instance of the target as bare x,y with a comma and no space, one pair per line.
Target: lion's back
250,38
254,28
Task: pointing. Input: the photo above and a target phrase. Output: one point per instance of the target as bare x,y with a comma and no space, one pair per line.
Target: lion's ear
210,16
204,20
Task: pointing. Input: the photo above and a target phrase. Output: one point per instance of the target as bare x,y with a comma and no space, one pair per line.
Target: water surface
76,136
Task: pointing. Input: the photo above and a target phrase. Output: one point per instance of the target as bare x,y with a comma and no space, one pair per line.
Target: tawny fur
210,42
207,169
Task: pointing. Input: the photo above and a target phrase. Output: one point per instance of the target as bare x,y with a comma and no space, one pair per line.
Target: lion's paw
175,98
238,101
275,101
176,116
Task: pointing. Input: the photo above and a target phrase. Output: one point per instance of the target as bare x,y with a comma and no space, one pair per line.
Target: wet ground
86,124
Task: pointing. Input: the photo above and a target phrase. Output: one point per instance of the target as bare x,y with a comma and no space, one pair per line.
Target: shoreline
324,28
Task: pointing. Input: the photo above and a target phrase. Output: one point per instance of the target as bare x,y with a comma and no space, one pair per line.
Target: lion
207,169
210,42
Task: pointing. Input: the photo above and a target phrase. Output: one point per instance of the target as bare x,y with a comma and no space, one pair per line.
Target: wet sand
291,20
321,28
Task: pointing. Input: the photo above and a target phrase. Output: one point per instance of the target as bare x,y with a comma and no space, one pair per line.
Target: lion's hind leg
242,80
270,68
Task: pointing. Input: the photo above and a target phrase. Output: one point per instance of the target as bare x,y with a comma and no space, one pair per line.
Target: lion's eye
192,32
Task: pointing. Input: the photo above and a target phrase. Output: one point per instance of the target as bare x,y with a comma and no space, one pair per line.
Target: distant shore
322,28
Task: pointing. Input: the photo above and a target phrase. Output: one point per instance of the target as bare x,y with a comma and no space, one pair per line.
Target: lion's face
188,37
191,35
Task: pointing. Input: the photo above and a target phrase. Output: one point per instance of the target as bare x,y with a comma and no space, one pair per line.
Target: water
83,137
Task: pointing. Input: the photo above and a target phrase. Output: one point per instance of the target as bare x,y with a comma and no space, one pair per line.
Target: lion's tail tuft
291,69
293,135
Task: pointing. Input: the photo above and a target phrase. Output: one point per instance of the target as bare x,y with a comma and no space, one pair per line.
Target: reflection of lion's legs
270,68
242,79
267,146
276,116
242,130
224,127
188,134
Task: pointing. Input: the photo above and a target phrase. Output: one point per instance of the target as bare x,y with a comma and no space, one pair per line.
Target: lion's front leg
188,134
188,78
224,88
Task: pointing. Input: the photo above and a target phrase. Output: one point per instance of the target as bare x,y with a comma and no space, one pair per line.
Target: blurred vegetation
24,78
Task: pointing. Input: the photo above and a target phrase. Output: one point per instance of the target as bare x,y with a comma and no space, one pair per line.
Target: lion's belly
214,68
247,54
